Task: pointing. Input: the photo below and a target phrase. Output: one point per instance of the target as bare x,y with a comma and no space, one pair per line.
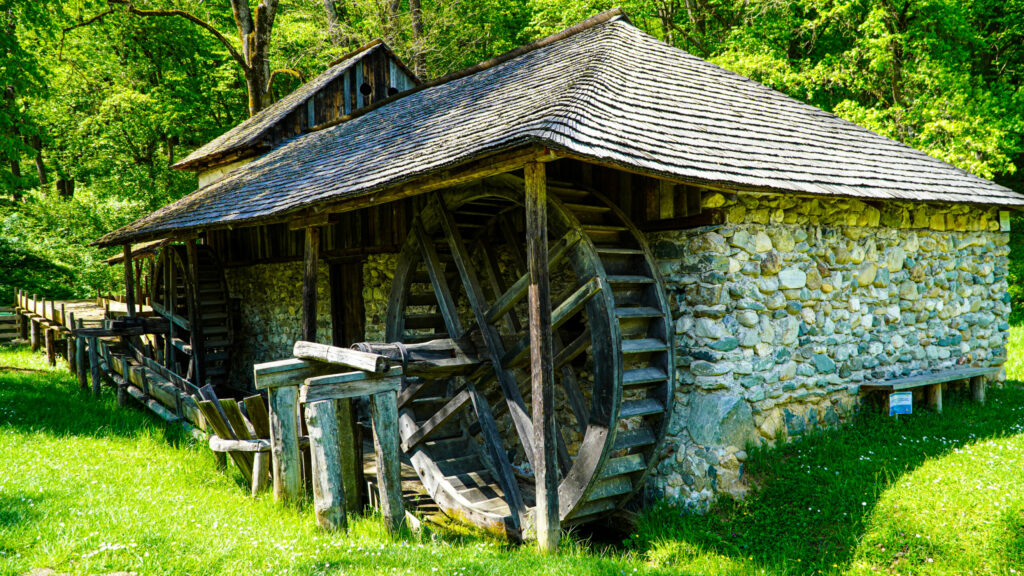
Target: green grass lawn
88,488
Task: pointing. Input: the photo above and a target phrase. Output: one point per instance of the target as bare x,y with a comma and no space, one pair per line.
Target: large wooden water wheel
195,299
461,275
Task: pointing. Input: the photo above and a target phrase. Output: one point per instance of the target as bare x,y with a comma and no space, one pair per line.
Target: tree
254,30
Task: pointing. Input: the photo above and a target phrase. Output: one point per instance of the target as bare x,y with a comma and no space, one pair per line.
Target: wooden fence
8,325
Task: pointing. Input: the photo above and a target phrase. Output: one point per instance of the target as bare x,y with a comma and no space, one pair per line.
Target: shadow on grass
811,499
18,509
50,401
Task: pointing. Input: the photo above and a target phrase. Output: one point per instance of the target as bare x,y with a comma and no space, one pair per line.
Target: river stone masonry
785,308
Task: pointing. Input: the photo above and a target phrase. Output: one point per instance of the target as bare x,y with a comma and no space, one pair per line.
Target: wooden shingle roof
607,92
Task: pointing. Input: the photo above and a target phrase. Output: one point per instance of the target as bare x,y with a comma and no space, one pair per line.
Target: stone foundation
786,308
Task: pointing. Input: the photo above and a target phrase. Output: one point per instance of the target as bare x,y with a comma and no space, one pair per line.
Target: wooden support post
94,366
34,335
978,385
129,281
81,360
541,366
195,322
350,444
284,443
935,397
311,260
51,351
384,412
72,343
328,488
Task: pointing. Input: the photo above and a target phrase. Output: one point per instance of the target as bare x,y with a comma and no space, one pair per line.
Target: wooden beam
349,385
541,363
347,357
129,281
311,263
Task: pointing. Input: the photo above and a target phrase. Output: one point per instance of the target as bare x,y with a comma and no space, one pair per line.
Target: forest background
99,97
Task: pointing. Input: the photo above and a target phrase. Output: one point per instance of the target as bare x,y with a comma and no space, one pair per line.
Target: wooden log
365,361
328,488
51,351
311,264
284,442
935,397
255,445
34,335
541,363
384,413
94,366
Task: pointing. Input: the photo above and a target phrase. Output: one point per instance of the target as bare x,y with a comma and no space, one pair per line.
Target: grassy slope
88,488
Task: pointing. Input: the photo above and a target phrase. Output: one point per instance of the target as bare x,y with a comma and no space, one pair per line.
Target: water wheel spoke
492,340
568,308
437,420
496,450
445,302
490,260
515,294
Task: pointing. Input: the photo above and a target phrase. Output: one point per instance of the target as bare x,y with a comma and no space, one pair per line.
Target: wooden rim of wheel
460,276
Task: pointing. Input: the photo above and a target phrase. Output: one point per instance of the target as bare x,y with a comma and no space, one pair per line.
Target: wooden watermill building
711,264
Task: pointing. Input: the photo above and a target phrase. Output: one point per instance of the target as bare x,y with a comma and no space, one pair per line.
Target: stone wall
271,309
271,314
786,308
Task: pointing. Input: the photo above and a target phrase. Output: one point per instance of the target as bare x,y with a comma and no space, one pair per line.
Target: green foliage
111,104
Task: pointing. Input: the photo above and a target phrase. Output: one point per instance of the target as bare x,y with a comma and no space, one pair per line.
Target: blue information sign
901,403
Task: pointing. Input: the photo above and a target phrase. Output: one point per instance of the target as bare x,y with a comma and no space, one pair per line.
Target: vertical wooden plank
34,334
129,281
541,366
72,343
311,261
328,488
94,365
195,322
170,302
284,443
384,412
51,352
348,316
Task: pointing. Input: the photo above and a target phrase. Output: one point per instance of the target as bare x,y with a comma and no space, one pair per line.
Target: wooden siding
377,229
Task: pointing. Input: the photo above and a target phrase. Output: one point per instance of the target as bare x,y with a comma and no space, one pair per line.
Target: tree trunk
37,143
333,21
419,58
